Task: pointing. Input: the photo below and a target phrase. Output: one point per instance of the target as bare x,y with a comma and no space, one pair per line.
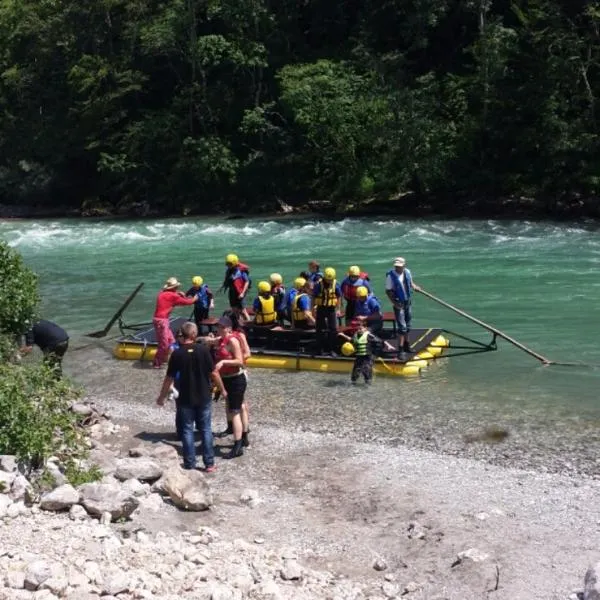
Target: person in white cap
166,300
399,286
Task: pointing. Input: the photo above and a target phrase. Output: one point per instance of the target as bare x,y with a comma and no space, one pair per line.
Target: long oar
115,317
489,327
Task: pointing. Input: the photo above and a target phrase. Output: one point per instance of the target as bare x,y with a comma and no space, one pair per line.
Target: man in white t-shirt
399,287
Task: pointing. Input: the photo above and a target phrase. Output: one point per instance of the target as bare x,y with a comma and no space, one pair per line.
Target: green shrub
19,297
35,420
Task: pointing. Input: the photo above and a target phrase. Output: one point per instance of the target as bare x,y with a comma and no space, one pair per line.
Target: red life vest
238,282
222,353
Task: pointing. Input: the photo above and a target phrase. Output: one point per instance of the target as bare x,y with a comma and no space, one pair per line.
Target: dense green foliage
35,416
197,105
19,298
34,408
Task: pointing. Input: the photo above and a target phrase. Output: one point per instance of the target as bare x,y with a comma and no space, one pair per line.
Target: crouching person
195,366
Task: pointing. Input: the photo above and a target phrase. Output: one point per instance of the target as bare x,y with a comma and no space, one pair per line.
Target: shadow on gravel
162,437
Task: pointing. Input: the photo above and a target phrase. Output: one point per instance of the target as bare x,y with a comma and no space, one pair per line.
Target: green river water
537,281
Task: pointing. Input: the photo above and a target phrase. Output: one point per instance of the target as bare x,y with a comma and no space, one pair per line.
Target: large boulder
142,469
98,498
161,452
60,498
187,489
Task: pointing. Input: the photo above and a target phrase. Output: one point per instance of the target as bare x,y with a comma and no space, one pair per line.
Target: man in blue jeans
399,286
195,366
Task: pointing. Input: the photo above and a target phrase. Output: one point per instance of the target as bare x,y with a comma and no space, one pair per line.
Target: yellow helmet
264,287
197,280
232,259
347,349
362,292
329,274
354,270
299,283
276,278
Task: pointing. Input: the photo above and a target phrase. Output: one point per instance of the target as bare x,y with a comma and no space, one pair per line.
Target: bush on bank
35,417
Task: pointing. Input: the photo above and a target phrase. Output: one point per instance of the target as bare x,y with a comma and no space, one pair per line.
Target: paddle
505,336
115,317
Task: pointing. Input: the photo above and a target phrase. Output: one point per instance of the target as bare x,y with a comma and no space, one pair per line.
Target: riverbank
349,502
463,205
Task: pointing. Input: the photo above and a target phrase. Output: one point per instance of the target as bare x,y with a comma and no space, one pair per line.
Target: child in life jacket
362,344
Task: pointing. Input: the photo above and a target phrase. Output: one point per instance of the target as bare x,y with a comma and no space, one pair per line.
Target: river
537,281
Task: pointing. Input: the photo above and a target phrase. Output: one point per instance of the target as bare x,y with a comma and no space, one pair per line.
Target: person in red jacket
168,298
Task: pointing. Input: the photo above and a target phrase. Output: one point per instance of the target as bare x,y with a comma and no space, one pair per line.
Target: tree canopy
204,105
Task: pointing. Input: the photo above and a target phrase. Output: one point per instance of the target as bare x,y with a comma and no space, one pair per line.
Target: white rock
84,410
5,502
8,463
57,475
6,481
152,503
37,572
380,564
106,518
14,579
188,489
44,595
103,458
60,498
472,554
92,571
291,570
250,497
16,509
221,591
135,487
21,489
411,586
143,469
207,535
98,498
116,582
266,590
77,513
591,589
57,585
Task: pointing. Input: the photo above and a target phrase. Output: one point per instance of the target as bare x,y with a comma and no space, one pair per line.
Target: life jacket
266,314
235,277
289,299
349,288
222,353
278,292
402,293
202,292
327,296
361,344
364,275
297,313
364,308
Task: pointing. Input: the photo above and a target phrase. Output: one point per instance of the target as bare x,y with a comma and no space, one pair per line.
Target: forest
203,106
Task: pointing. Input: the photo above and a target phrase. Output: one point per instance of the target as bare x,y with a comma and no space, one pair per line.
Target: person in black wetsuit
52,339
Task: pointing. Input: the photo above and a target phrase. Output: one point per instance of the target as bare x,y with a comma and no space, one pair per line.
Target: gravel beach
379,500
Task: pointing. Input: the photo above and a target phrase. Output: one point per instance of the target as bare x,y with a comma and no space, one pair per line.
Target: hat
225,322
399,262
171,283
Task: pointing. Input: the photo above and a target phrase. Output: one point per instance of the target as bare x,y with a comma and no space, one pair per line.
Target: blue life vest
401,294
289,299
202,301
367,307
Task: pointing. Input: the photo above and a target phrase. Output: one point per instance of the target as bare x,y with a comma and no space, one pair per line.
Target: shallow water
537,281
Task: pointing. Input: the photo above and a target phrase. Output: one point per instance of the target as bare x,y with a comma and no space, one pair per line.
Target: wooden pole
497,332
113,320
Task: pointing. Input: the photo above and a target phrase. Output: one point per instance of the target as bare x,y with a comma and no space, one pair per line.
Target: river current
537,281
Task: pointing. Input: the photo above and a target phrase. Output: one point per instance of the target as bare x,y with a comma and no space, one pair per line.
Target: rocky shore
300,516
